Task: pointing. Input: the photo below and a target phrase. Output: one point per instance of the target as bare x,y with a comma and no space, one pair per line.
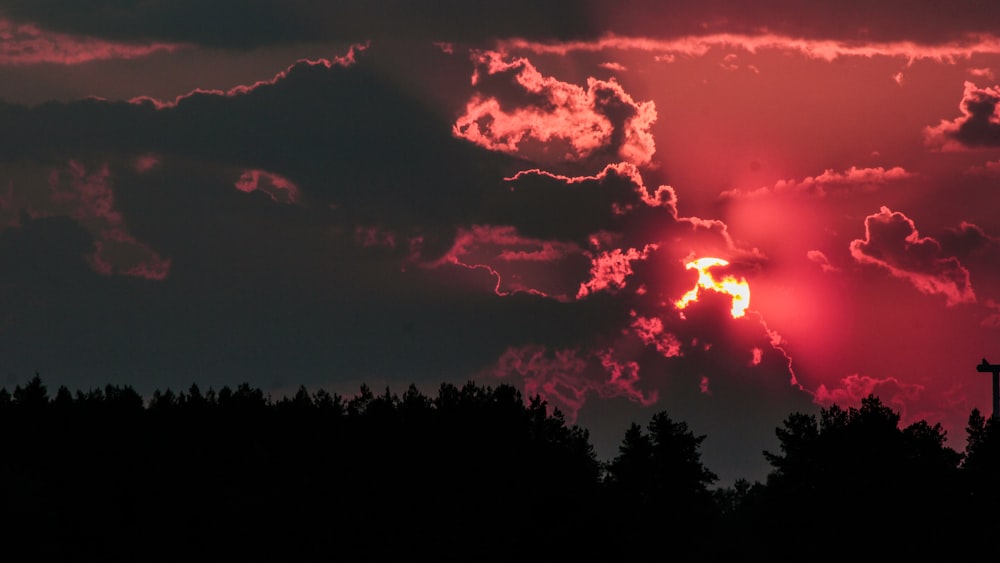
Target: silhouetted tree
857,465
162,401
475,473
63,399
329,403
358,404
735,499
658,478
664,464
981,466
123,399
33,396
244,399
413,401
302,399
193,399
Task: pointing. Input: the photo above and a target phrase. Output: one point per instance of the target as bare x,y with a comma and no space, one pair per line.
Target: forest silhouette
475,473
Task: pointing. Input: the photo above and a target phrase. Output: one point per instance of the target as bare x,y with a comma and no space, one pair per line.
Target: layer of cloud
237,24
822,49
27,44
243,89
829,183
230,23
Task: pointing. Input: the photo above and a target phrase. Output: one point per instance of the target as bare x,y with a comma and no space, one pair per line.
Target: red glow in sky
341,200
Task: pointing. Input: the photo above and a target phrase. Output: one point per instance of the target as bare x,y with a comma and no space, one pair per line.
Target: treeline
475,473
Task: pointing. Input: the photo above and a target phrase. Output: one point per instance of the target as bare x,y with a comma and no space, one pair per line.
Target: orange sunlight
737,288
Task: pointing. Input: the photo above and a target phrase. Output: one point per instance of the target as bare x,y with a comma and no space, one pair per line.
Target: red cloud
87,197
991,168
572,122
611,65
652,333
631,237
243,89
609,269
279,188
855,387
639,222
446,47
548,266
519,264
892,242
26,44
711,237
823,49
992,319
985,72
146,162
663,196
373,236
565,378
967,239
828,183
978,126
821,259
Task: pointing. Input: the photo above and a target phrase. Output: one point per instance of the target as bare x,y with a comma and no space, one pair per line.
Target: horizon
602,457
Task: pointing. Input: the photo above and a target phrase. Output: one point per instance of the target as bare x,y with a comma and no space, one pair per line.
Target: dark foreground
473,474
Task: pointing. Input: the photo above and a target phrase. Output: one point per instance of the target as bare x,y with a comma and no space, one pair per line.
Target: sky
336,193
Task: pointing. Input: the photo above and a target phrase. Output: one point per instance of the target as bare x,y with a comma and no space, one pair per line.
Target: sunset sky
337,193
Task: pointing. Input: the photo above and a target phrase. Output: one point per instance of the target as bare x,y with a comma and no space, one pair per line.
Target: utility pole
986,367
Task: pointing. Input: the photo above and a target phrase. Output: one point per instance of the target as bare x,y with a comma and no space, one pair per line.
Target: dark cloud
967,239
327,130
26,44
242,24
534,200
977,126
294,251
258,291
262,285
231,23
922,20
893,243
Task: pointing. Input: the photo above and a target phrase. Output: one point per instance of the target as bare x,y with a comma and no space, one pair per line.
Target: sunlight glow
730,285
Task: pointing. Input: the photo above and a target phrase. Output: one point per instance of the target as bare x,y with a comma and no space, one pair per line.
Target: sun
738,289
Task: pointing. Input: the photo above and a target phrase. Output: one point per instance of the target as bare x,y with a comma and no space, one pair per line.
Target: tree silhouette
981,473
659,480
33,396
473,473
856,465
